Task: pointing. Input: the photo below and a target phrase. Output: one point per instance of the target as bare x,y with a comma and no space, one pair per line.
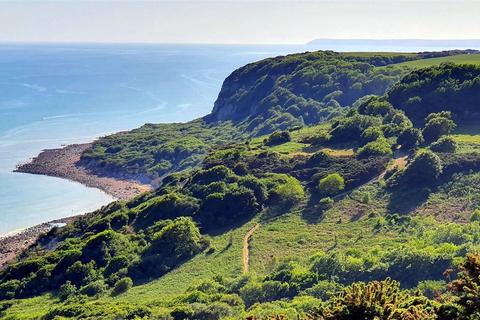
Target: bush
331,184
424,169
122,285
66,290
475,215
379,147
95,288
377,300
9,289
278,137
325,203
437,125
284,189
445,144
371,134
410,138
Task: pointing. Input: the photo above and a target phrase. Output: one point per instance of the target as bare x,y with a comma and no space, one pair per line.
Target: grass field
467,137
459,59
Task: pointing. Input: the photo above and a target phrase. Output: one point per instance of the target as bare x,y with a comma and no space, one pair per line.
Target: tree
437,125
410,138
331,184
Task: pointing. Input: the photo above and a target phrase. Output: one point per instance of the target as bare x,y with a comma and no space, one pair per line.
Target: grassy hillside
369,213
458,59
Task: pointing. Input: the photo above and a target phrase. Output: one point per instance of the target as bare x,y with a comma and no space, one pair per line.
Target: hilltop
319,182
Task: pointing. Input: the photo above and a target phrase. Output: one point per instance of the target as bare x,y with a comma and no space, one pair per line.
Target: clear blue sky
235,21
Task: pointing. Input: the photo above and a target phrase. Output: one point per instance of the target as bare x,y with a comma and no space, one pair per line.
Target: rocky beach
14,243
63,163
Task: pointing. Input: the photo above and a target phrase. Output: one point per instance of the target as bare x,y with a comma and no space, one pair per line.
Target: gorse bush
331,184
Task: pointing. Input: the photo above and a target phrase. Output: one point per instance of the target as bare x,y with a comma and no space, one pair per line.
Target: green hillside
370,213
458,59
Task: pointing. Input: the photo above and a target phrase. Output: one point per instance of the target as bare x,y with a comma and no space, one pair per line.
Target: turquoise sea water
52,95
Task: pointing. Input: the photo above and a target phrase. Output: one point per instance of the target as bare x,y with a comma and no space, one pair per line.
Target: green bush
438,125
66,290
371,134
278,137
424,169
445,144
122,285
95,288
410,138
379,147
9,289
284,189
325,203
475,215
331,184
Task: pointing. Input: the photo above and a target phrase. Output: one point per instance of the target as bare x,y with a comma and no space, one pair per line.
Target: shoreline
63,163
13,243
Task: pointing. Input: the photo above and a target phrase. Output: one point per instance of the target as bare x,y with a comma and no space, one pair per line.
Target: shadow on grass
403,200
312,213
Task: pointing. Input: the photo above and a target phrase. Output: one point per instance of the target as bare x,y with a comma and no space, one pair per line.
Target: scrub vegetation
364,204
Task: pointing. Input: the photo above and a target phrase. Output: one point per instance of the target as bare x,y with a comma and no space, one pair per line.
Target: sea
57,94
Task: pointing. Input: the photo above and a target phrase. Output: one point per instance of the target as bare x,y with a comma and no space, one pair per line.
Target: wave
35,87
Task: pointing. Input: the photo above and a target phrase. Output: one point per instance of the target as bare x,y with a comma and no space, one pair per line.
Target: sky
236,21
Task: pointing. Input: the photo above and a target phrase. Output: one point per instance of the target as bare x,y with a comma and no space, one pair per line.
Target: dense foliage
448,87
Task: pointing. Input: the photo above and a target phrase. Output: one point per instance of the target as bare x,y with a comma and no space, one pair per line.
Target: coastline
15,242
62,163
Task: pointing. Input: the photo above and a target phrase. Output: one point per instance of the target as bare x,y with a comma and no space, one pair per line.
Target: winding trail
246,253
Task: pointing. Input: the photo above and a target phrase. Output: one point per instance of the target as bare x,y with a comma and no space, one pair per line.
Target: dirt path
246,254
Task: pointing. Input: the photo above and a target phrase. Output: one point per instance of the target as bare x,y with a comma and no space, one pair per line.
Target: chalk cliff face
281,92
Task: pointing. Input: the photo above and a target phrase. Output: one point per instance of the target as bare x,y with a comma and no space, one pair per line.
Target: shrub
66,290
9,289
371,134
331,184
284,189
410,138
379,147
180,239
269,290
437,125
122,285
424,169
467,286
95,288
378,300
475,215
445,144
324,289
278,137
325,203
